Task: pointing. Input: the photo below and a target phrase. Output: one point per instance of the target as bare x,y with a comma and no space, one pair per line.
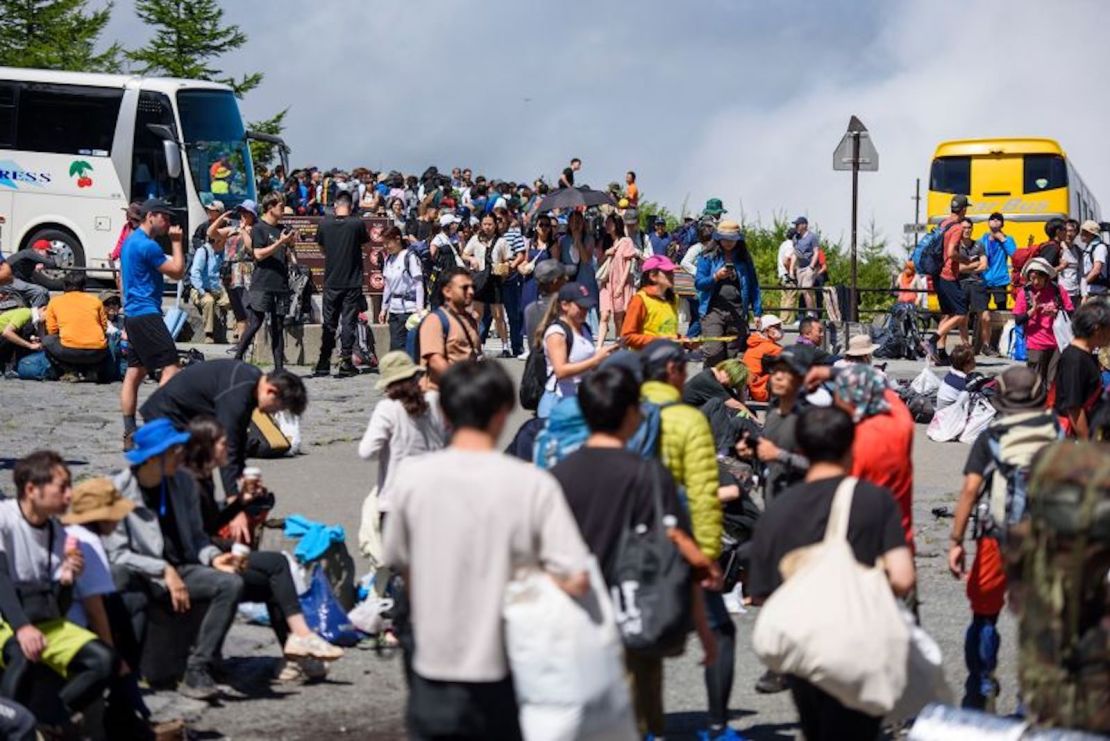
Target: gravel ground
364,694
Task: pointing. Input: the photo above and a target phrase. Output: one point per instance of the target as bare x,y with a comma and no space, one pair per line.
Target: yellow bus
1028,180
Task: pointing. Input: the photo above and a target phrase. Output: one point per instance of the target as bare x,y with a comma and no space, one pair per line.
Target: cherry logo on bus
78,169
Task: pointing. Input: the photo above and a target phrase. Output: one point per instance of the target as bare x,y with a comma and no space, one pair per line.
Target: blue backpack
928,256
36,366
566,431
412,339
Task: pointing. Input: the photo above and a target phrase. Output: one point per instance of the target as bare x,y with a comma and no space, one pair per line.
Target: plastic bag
1018,350
290,426
979,415
1006,338
369,530
925,682
1061,329
324,615
926,383
367,615
567,660
948,423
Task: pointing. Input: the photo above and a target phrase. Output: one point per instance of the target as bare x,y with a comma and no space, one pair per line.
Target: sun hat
578,294
659,262
859,346
714,207
1019,390
1040,265
1090,226
153,439
729,230
396,366
767,321
94,500
250,207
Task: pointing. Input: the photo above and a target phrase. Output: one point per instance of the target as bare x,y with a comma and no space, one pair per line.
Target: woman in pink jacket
1036,305
618,286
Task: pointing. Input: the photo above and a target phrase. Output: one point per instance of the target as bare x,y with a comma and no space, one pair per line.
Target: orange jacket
758,346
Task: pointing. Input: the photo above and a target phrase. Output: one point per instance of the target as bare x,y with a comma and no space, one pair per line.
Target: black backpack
651,583
535,378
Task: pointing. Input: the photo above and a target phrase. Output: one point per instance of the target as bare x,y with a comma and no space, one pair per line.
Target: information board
309,255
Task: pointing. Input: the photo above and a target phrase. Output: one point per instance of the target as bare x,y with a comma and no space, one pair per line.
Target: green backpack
1063,557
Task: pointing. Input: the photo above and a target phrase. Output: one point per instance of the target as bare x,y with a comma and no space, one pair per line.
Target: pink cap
659,262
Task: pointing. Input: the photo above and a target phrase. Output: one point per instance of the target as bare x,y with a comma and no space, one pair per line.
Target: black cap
579,294
960,202
658,353
155,206
798,359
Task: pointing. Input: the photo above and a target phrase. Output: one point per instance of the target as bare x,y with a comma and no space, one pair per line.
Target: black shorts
235,295
998,294
951,297
491,292
270,301
977,297
151,345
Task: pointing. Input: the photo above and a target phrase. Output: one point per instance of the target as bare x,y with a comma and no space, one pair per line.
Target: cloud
738,99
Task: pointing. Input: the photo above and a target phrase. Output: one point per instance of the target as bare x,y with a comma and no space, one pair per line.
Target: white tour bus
76,148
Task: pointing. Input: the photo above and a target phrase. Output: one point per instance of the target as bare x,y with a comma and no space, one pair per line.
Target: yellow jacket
690,454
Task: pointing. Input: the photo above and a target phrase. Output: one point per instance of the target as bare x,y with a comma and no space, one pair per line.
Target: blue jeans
981,644
511,292
694,330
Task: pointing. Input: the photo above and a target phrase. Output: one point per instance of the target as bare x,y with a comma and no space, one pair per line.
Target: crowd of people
736,467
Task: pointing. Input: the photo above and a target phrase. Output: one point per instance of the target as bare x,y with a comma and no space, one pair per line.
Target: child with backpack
994,496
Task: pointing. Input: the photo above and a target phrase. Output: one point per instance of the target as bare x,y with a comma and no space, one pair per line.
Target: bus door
149,178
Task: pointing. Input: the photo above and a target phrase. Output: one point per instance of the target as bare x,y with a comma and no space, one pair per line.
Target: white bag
567,660
926,383
367,615
370,532
290,426
925,682
1061,329
949,422
1006,338
834,622
979,415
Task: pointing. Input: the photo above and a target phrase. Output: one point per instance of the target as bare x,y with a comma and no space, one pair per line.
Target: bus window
67,119
1044,172
951,175
149,178
7,115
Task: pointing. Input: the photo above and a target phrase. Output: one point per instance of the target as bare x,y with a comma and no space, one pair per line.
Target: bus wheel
66,251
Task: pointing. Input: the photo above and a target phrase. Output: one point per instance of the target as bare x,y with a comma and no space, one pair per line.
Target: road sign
914,228
866,157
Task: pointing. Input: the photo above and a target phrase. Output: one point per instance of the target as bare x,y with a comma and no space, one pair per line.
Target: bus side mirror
173,158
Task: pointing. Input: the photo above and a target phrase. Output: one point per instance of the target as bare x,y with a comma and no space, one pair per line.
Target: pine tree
188,37
264,153
55,34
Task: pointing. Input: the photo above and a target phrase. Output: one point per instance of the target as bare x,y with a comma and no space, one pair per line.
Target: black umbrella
566,198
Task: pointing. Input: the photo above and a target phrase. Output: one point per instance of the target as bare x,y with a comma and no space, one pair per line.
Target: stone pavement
364,694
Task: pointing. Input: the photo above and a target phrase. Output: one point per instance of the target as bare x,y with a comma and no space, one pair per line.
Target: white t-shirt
580,350
95,579
1090,257
785,250
1069,276
500,252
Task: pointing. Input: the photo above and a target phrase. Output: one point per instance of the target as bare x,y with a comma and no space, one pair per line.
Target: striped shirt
515,240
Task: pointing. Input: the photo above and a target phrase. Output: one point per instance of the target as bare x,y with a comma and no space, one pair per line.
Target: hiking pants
981,644
722,321
267,579
341,308
72,356
718,675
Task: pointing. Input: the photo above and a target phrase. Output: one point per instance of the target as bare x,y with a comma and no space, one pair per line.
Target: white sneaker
312,645
734,600
523,355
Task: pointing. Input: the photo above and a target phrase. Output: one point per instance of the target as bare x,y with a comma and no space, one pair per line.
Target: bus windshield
216,146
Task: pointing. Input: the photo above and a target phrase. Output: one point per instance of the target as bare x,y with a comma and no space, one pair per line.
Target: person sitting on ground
19,336
766,343
798,518
113,307
229,390
28,280
1036,304
76,325
653,311
860,351
603,483
727,381
266,576
811,333
955,381
40,569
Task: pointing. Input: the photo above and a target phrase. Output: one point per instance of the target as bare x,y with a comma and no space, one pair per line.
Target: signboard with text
309,254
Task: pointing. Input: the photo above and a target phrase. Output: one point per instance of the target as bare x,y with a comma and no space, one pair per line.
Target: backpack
650,584
412,339
1063,555
1013,441
928,256
1103,278
900,337
36,366
566,431
534,381
363,352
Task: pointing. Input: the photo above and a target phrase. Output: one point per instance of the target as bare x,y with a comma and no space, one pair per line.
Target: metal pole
916,211
854,308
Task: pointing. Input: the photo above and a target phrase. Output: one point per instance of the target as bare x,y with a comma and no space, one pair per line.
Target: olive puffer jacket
690,454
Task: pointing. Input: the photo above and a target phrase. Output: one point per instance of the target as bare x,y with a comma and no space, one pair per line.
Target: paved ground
364,695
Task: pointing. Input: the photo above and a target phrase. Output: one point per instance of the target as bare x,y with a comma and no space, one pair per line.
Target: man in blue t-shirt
999,248
142,265
659,239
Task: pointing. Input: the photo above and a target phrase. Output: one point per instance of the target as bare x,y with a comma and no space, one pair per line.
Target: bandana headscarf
863,387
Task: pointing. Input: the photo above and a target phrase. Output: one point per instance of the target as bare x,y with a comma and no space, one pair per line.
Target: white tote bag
1061,329
1006,338
926,383
567,660
980,412
834,622
949,422
925,682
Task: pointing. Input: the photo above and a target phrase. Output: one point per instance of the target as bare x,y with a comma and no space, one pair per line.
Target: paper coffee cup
241,550
252,473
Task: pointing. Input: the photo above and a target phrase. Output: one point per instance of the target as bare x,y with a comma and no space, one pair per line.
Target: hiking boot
322,369
311,645
770,683
198,684
942,358
990,352
346,369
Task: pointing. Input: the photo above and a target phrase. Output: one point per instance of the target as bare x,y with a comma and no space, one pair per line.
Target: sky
744,100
